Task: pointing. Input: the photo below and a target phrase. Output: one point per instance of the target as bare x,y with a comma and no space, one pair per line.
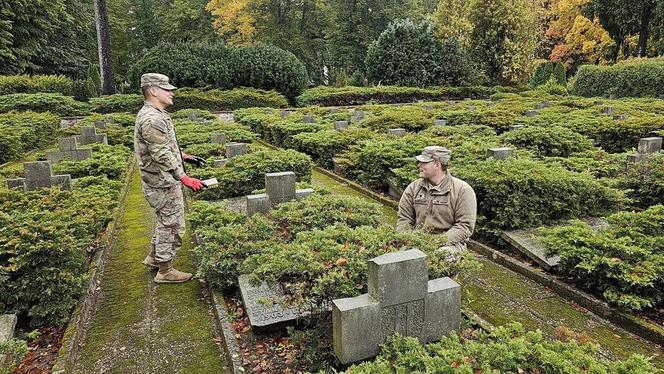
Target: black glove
198,161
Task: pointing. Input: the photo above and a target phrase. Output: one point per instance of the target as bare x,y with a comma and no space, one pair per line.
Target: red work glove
193,183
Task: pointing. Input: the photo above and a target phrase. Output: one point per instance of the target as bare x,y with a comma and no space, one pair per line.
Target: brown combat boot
167,274
150,261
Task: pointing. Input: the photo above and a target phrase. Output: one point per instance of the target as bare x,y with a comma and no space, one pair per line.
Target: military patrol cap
435,152
158,80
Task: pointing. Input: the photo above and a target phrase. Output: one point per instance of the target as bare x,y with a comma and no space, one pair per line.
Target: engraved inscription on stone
407,319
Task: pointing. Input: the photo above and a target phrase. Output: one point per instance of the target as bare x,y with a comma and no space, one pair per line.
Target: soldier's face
428,169
163,97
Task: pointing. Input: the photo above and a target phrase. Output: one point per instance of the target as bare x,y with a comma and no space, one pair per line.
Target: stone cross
38,174
341,125
68,151
402,300
399,133
89,136
279,188
308,119
500,153
531,113
236,149
218,138
439,122
7,328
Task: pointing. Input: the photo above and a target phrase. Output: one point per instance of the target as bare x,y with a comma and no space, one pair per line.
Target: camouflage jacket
448,208
156,148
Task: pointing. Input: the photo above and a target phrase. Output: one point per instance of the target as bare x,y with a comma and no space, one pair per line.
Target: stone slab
18,183
387,283
397,132
218,138
219,163
236,149
280,187
439,122
515,127
341,125
303,192
499,153
526,242
308,119
259,203
7,326
351,318
531,113
649,145
443,308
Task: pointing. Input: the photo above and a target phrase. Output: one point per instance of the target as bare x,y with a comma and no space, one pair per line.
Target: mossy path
500,296
141,327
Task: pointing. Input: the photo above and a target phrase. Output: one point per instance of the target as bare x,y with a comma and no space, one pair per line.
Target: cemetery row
530,161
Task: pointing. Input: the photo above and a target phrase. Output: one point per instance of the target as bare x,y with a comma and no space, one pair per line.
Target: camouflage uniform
160,162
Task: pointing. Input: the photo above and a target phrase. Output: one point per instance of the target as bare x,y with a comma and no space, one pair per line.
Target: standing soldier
160,162
438,201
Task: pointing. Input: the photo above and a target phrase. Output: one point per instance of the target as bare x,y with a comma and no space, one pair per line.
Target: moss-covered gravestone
68,150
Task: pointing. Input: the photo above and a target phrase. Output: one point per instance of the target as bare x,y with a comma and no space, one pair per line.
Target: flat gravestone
66,123
543,104
89,136
68,150
499,153
280,187
401,300
471,108
649,145
531,113
399,133
265,312
333,110
284,114
236,149
308,119
515,127
259,203
218,138
219,163
341,125
303,192
439,122
38,174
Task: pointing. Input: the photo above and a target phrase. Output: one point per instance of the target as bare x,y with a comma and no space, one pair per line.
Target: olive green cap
158,80
435,152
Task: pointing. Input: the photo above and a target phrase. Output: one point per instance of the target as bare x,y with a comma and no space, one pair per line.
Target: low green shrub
322,146
243,174
22,132
624,262
349,95
596,162
119,127
644,182
548,70
548,141
15,350
637,78
129,103
43,240
508,349
107,160
413,119
43,102
12,84
281,133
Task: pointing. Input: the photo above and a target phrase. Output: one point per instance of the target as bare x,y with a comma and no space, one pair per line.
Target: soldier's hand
198,161
193,183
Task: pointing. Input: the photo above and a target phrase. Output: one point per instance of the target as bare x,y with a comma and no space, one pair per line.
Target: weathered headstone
284,114
515,127
68,151
543,104
236,149
608,110
428,108
308,119
341,125
649,145
89,136
598,102
399,133
333,110
620,117
195,116
219,163
439,122
303,192
359,115
500,153
531,113
280,187
218,138
402,300
38,174
259,203
66,123
7,328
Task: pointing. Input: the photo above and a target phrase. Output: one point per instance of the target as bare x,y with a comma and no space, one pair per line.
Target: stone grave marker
531,113
279,188
337,165
608,110
428,108
195,116
598,102
402,300
543,104
38,174
284,114
620,117
515,127
646,147
7,328
439,122
334,110
68,151
219,163
259,203
308,119
89,136
236,149
341,125
66,123
501,153
399,133
472,107
218,138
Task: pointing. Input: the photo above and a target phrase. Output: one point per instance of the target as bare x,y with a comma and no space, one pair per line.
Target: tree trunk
104,48
646,16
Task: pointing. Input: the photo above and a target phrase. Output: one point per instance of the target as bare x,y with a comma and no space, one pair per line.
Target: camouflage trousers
169,205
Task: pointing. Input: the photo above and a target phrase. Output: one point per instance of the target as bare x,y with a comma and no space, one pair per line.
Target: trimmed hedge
190,98
22,132
43,102
624,262
107,160
12,84
219,66
548,141
349,95
119,127
638,78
